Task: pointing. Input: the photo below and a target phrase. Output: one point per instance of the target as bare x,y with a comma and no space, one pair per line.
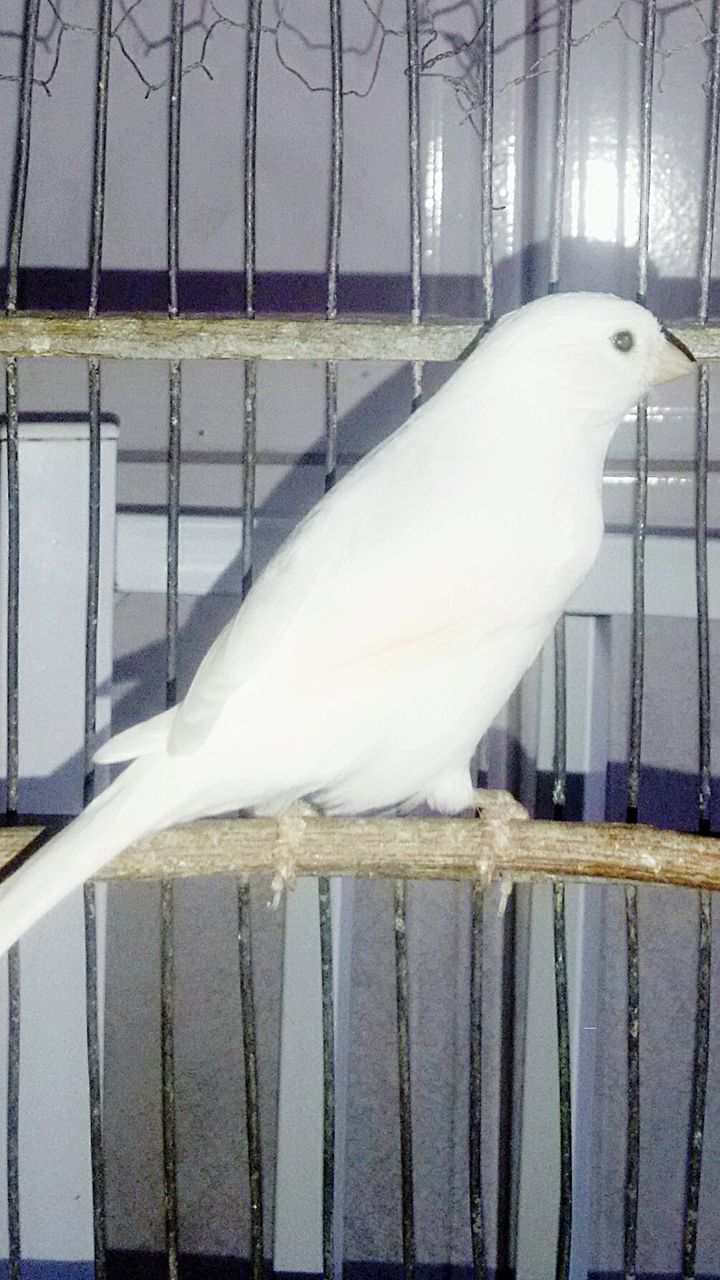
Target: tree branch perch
486,849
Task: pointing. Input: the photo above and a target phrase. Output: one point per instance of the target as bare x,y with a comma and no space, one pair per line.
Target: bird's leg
290,831
498,808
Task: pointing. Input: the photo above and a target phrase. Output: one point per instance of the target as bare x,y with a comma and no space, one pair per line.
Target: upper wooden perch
501,844
159,337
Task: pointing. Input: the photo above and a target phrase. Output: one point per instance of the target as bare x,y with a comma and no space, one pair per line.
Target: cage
245,237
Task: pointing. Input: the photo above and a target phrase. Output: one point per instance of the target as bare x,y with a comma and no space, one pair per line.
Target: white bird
383,638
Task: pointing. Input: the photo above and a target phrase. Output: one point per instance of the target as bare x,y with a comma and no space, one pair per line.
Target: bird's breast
529,560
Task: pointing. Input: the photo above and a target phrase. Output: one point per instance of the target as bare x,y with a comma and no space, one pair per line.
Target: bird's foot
290,831
498,808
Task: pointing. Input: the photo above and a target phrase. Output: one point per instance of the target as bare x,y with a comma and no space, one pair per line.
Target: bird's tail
110,823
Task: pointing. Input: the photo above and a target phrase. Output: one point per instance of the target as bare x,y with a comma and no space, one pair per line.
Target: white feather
388,632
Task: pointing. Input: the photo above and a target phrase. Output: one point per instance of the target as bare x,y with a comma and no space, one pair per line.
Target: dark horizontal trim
67,289
651,1275
153,1266
136,1265
33,1269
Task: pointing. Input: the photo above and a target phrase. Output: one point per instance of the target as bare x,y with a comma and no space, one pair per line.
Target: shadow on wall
586,264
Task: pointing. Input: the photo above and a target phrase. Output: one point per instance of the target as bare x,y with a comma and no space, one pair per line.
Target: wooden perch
159,337
485,849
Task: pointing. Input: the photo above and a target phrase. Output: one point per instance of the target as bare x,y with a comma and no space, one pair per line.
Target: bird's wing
370,578
359,603
139,740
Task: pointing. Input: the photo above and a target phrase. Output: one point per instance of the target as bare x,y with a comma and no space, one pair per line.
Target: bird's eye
624,340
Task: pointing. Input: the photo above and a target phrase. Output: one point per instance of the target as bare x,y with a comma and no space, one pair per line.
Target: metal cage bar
167,909
252,1104
328,1035
331,430
413,58
404,1081
486,159
632,1150
252,1098
562,1266
94,1055
477,1215
167,1086
409,1245
476,1211
250,185
334,231
13,1114
17,218
702,1011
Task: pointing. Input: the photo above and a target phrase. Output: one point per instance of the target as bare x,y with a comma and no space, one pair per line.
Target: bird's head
600,353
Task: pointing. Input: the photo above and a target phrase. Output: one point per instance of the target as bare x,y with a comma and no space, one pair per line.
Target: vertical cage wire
702,1011
250,187
413,56
97,1158
14,1007
328,1035
403,1035
17,218
562,90
167,911
477,1218
562,1265
252,1098
92,1022
400,892
562,95
638,636
22,153
13,1115
334,231
632,1149
13,586
167,1057
331,430
559,794
93,562
174,433
699,1087
562,1261
247,999
504,1262
703,415
486,161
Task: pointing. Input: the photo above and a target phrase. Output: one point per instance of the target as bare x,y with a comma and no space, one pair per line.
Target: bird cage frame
502,844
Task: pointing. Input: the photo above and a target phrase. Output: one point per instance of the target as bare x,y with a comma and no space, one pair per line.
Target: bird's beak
675,359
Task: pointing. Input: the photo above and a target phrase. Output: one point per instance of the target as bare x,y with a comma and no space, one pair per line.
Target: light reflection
507,199
433,201
603,201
